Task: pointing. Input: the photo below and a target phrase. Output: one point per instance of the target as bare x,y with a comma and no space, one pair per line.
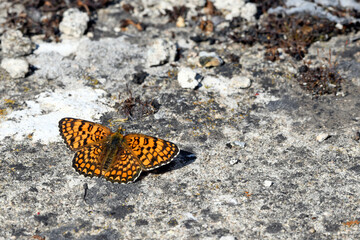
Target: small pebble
16,67
208,60
160,53
234,161
268,183
240,144
242,81
322,136
188,78
180,22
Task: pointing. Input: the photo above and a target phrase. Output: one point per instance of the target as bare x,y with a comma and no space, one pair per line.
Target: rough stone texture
74,23
160,52
13,44
281,184
16,67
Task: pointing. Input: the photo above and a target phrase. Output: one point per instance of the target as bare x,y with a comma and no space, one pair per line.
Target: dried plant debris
44,17
292,33
319,80
264,5
177,12
127,22
136,108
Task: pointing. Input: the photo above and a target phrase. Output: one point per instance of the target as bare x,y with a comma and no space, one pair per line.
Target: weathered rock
13,44
16,67
74,23
160,52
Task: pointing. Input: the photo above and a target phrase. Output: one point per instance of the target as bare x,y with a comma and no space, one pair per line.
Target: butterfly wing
123,168
89,160
79,133
152,152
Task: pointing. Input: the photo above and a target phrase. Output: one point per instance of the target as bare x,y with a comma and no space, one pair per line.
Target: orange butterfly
118,158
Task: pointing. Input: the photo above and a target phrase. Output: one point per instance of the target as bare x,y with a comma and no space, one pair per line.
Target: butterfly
118,158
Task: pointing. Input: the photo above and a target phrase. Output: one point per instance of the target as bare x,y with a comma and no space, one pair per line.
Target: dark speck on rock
274,228
355,168
141,222
139,77
173,222
121,211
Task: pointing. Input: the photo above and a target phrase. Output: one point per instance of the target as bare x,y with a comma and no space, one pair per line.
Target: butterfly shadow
183,159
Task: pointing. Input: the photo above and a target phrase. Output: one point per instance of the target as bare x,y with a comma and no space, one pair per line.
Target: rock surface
250,166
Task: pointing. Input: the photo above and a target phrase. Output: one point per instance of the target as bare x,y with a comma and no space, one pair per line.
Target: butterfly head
120,131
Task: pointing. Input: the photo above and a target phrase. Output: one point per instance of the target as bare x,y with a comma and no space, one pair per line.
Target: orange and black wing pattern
152,152
89,160
79,133
117,158
124,168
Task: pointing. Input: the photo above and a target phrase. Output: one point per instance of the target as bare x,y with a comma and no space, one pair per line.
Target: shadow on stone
183,159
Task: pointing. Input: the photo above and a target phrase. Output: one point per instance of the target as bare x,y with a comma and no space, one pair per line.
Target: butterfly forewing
152,152
79,133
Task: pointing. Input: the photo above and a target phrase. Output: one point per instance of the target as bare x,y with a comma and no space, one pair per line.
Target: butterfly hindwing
89,160
123,168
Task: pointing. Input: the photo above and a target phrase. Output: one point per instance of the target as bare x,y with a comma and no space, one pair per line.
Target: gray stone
13,44
160,52
209,59
74,23
16,67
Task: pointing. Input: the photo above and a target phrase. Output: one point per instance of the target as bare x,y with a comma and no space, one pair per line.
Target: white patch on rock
248,11
241,81
230,8
74,23
219,84
239,143
188,78
160,52
225,199
16,67
41,116
65,48
228,237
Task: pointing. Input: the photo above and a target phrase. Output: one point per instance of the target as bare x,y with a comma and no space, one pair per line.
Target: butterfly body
117,158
